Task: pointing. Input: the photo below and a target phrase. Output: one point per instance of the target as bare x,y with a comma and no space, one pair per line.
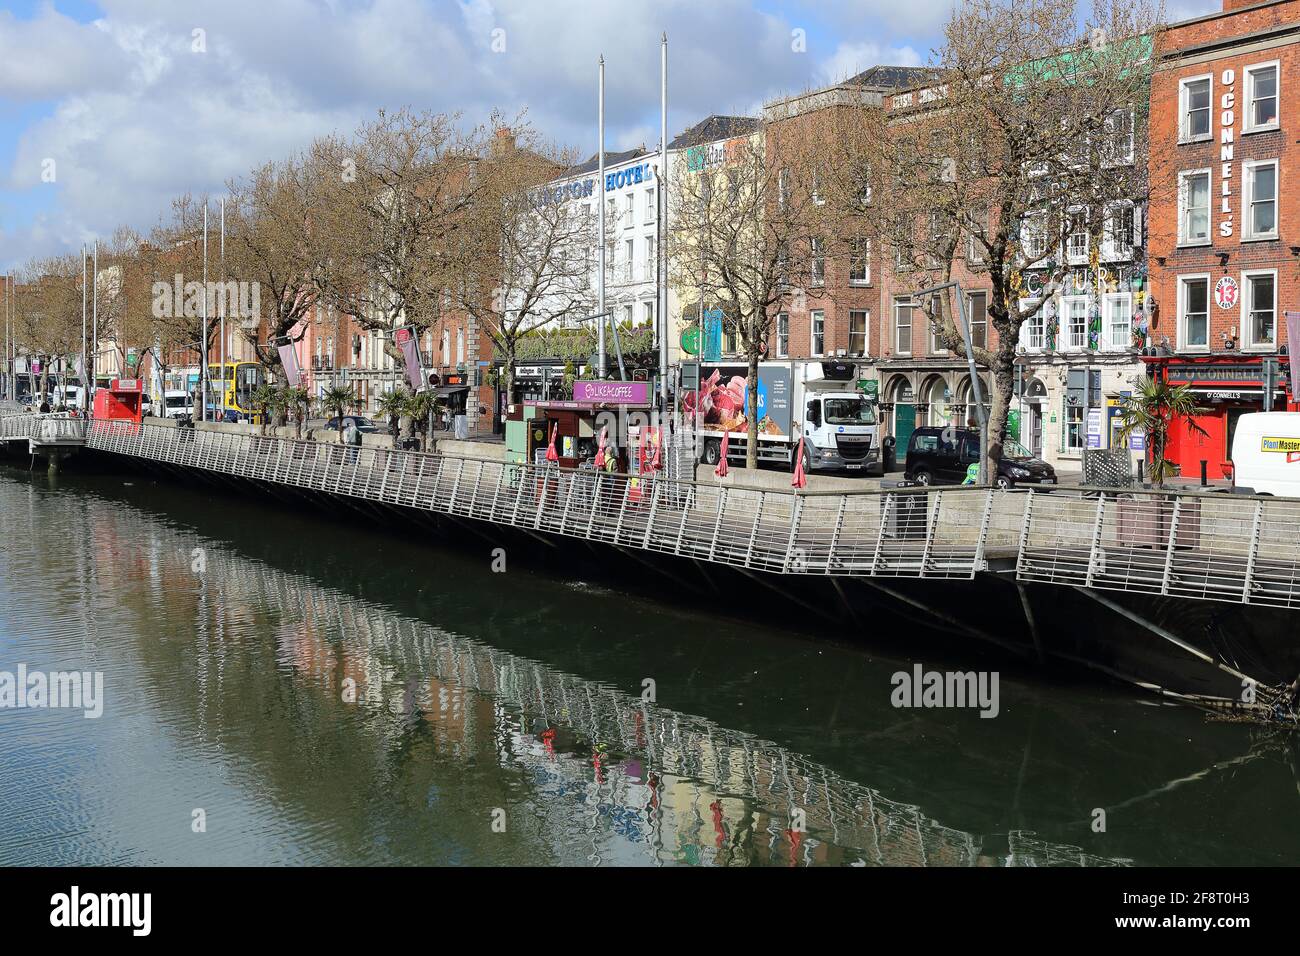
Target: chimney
504,141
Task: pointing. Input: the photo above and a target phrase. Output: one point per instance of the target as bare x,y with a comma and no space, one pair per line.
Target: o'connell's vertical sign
612,393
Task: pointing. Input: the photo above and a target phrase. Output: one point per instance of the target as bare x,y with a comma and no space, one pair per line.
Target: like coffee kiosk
576,423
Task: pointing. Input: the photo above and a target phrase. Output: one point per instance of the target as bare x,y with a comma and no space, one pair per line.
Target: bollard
1140,464
1204,480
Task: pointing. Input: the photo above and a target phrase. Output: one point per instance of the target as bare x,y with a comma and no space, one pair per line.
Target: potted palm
423,407
338,399
1145,520
265,398
297,402
392,405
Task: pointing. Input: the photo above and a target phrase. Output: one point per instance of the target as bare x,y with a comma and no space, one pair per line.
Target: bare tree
748,234
1023,154
521,257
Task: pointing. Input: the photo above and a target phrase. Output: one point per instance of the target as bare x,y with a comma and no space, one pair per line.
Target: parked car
364,425
942,456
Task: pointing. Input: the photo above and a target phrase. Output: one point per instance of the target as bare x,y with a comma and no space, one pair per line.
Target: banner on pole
289,359
410,346
1292,344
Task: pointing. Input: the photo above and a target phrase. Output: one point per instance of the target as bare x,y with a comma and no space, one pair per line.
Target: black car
943,455
364,425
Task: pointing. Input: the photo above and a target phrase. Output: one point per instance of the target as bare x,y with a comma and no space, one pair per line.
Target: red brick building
1225,214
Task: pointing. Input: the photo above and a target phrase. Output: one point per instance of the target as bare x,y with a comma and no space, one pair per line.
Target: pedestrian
351,438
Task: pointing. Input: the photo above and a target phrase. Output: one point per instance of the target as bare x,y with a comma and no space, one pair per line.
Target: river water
284,687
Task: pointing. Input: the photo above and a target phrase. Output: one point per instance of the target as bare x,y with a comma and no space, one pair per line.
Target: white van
1266,453
175,403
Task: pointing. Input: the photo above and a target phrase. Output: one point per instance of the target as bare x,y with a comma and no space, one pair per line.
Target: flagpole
94,324
204,376
663,227
85,390
222,306
600,218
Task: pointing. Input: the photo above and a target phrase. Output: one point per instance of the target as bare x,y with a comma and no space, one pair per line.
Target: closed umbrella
721,470
551,454
657,462
800,479
600,448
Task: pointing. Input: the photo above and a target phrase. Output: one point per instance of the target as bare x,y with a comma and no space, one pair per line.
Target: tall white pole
94,323
662,309
600,235
85,388
222,300
204,378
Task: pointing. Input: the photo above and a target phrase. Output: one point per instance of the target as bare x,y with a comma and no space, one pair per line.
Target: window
1035,329
817,318
903,309
1194,311
1259,309
1033,237
651,210
1076,241
1261,97
859,320
1259,185
974,248
978,305
1074,318
627,315
860,262
783,265
648,313
446,347
782,334
817,196
1194,108
783,188
1117,321
609,211
936,346
628,249
1194,207
1117,144
818,248
1074,437
460,346
627,210
649,258
1120,231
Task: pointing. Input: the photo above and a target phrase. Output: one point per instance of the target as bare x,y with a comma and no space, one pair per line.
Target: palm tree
392,405
265,398
1152,411
338,399
297,402
424,406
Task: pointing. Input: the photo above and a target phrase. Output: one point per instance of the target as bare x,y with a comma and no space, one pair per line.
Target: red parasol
721,470
551,454
800,479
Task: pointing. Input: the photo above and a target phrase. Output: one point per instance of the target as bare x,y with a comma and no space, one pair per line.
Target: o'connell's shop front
1226,387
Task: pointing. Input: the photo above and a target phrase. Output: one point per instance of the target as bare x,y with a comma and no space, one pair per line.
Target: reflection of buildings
644,784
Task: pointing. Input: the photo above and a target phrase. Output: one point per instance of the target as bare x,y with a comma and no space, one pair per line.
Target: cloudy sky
126,103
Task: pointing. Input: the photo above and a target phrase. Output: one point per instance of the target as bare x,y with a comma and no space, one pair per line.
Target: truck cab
841,429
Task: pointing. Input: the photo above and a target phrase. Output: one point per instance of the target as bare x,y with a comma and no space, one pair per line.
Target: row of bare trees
1034,124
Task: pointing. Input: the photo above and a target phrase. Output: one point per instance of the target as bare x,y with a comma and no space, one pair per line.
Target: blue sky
116,95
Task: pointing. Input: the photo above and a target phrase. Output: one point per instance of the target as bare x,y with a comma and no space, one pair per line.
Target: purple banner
410,346
289,359
612,393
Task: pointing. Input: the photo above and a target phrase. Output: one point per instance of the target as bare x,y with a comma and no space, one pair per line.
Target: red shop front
1226,387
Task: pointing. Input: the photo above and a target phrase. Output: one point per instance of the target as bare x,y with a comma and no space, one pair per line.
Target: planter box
1145,522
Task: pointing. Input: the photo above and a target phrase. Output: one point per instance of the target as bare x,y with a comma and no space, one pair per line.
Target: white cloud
849,59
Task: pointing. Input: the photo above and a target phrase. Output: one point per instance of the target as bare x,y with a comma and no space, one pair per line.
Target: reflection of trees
262,657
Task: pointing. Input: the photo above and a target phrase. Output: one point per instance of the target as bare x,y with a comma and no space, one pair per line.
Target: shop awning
442,391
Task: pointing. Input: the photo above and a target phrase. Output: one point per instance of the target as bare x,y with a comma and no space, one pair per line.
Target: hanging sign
1225,293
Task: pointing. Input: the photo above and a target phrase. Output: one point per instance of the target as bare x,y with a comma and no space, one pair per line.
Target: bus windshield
849,411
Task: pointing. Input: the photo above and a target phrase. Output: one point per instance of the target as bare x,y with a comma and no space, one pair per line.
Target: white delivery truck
814,400
1266,453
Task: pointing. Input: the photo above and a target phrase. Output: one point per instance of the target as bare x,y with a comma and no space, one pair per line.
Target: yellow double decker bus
230,391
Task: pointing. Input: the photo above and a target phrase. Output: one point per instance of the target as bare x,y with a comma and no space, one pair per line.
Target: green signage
691,340
869,387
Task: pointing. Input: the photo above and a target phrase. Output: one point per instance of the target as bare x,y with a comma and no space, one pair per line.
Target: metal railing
1219,547
58,428
910,532
1208,546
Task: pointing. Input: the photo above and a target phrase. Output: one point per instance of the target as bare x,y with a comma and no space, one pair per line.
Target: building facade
1225,220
